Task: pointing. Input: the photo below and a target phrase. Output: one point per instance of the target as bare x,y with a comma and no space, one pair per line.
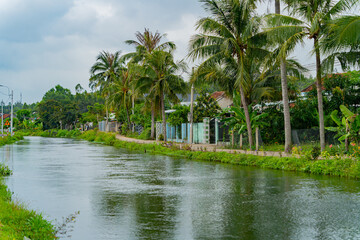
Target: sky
44,43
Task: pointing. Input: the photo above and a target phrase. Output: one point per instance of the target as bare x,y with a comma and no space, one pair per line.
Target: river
130,195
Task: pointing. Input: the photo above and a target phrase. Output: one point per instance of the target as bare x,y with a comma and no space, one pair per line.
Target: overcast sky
49,42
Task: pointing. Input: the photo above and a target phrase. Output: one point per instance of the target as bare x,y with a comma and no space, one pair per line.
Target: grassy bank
16,221
11,139
338,166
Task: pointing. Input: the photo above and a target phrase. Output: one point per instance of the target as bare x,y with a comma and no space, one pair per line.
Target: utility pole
12,111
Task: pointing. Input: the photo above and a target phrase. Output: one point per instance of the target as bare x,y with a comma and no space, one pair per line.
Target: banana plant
348,127
237,120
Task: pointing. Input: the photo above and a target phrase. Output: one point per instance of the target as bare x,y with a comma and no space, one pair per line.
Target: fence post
207,130
158,130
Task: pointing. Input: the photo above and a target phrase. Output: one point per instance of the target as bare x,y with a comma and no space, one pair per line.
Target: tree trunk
152,120
133,111
127,112
232,139
163,116
319,95
107,116
247,116
277,6
257,138
285,95
241,141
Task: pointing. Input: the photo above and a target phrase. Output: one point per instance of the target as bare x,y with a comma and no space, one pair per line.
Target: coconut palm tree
314,17
163,72
342,43
285,94
103,73
229,37
146,43
122,89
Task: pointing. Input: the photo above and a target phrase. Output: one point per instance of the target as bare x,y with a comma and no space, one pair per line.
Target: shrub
315,152
4,170
161,137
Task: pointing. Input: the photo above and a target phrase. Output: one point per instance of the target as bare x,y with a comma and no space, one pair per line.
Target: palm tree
122,88
104,73
342,43
228,37
314,18
146,43
285,94
161,68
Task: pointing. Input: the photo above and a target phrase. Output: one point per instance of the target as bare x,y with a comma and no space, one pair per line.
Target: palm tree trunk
285,97
285,94
127,112
163,116
247,116
319,94
152,120
277,6
107,115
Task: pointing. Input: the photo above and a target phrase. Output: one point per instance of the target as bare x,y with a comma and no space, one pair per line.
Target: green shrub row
343,167
11,139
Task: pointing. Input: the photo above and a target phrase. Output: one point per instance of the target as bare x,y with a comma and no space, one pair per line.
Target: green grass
342,167
16,221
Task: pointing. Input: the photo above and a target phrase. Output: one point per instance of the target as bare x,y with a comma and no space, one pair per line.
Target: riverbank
338,166
16,221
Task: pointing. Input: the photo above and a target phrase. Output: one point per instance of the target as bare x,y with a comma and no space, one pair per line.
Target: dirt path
208,147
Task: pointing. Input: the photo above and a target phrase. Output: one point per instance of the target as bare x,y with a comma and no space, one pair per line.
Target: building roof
6,115
313,85
218,95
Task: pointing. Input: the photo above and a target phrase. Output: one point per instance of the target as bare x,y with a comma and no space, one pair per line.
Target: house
223,100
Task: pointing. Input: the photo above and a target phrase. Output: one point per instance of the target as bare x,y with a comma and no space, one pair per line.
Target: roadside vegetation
309,160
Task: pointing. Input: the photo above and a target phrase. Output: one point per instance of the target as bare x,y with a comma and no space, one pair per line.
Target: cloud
44,43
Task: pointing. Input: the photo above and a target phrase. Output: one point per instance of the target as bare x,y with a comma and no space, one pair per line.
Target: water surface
129,195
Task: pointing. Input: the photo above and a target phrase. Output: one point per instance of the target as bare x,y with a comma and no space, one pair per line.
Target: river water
130,195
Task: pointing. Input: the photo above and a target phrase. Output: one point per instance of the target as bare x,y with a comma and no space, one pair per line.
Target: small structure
223,100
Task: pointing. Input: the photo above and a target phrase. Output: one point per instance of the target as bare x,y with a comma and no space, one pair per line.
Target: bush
4,170
145,135
161,137
315,152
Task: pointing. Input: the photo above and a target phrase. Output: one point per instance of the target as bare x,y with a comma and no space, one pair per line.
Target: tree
315,17
161,67
146,43
285,95
342,43
103,73
121,88
206,106
23,114
58,109
229,37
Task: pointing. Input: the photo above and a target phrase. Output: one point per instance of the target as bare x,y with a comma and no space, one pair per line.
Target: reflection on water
127,195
